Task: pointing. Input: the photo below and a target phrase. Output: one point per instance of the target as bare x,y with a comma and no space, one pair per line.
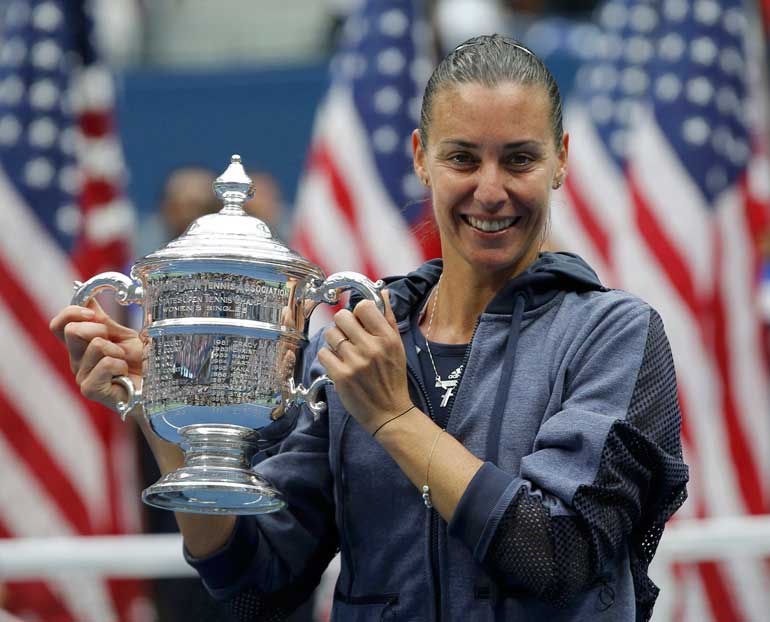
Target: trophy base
203,490
216,477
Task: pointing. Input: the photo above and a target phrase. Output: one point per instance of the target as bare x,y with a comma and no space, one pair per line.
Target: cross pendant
449,386
445,398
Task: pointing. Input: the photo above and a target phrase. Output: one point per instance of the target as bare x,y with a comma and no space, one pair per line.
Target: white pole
146,556
114,556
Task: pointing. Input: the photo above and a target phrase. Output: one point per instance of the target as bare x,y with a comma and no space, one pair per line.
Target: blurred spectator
267,203
186,195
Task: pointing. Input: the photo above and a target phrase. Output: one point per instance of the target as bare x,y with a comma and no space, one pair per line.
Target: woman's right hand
99,349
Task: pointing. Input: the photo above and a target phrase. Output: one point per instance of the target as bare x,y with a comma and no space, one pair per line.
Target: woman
503,444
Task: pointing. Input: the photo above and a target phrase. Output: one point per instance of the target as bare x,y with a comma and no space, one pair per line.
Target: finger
99,385
389,314
331,363
77,337
134,349
98,349
116,329
350,327
334,338
71,313
369,316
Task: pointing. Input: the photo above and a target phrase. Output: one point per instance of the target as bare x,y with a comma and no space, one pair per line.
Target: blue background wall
172,119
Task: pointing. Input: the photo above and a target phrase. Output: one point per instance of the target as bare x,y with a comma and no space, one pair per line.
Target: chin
496,265
503,264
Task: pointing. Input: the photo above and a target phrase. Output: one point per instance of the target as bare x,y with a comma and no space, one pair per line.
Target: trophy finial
234,187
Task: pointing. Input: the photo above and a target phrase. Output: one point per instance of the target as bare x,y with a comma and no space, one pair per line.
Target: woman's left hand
367,362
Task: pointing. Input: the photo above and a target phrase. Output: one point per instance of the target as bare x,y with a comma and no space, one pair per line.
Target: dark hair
490,60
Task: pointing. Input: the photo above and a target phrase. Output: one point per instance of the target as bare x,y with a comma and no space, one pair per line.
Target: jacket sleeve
597,480
272,562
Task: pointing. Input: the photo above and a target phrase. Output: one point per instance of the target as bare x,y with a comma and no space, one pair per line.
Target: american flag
667,195
359,204
68,466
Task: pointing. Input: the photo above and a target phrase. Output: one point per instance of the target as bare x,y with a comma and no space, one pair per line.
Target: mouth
490,226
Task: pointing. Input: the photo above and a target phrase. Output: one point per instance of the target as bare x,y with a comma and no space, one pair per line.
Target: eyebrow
469,145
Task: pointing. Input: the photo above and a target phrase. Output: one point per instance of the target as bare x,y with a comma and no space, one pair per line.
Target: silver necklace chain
450,383
427,334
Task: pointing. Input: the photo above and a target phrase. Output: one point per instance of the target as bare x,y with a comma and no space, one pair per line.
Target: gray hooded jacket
568,395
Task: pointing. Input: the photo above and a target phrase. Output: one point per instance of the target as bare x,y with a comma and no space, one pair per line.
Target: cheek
442,204
535,197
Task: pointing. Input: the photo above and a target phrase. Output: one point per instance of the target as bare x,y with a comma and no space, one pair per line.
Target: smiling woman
492,159
502,444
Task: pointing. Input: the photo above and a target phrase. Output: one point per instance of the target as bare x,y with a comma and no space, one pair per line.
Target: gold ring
339,343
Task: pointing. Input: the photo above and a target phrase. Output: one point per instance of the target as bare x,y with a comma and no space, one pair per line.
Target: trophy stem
216,477
218,446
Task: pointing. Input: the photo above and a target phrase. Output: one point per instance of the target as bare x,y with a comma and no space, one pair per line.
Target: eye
520,159
461,158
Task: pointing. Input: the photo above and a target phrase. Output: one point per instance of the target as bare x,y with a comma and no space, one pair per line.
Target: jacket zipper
433,529
434,516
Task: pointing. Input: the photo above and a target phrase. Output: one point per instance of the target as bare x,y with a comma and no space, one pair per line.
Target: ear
418,158
561,167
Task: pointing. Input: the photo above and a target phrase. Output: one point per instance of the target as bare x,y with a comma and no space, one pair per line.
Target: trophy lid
231,235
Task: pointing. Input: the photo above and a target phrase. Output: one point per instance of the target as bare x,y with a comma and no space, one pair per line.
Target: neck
463,294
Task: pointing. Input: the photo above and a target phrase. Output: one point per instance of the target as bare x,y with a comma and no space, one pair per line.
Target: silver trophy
225,317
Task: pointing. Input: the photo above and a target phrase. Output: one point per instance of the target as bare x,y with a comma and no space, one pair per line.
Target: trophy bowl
225,310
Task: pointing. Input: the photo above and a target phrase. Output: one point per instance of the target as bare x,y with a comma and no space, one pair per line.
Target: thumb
389,315
115,328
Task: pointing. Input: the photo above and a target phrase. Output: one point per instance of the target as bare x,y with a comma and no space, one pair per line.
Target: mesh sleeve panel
654,411
251,606
639,484
547,556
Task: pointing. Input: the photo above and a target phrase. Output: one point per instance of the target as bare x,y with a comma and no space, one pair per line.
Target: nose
490,187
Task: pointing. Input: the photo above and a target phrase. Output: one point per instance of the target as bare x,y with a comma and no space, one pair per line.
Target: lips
490,226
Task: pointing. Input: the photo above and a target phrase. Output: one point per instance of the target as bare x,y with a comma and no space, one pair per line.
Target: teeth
490,226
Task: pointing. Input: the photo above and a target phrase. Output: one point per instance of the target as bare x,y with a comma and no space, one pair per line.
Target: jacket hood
550,274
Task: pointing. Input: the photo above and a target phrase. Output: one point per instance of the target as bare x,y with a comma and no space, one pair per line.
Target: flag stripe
34,453
668,257
322,160
721,602
741,453
28,511
381,222
711,574
48,403
595,231
27,315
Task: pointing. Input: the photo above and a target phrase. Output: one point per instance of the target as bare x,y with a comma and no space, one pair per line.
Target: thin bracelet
426,487
382,425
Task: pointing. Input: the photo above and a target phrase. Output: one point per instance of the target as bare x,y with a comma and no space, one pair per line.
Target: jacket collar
550,274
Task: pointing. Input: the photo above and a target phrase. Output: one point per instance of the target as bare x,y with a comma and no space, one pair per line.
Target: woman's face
491,161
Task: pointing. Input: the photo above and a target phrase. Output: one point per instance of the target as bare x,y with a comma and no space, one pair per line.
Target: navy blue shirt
448,359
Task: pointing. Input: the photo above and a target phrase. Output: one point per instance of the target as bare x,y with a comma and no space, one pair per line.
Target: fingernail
87,313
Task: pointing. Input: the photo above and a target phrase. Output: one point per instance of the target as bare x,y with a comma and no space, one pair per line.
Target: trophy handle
300,395
329,290
127,291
